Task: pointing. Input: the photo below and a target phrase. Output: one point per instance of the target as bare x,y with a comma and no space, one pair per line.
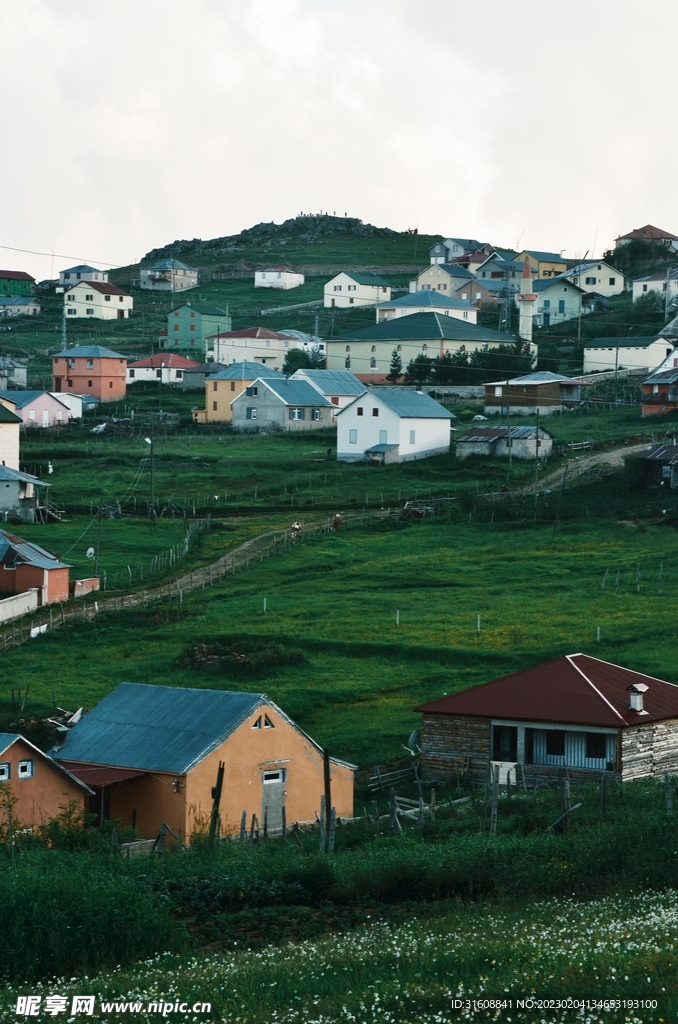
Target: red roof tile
99,775
649,231
15,275
101,286
576,689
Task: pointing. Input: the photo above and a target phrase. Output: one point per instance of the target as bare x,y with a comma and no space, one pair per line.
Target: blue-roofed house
91,370
426,302
37,408
225,383
392,425
83,272
339,386
168,275
151,755
543,264
281,403
24,565
19,305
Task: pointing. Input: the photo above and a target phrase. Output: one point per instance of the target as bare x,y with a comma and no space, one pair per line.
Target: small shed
494,441
25,566
40,785
393,424
279,403
19,305
163,368
659,465
194,376
576,713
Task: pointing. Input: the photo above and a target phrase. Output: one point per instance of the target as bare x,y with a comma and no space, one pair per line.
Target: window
70,383
498,392
107,298
251,413
257,724
374,348
89,383
31,414
158,373
504,743
613,280
347,362
337,287
271,777
110,384
547,303
89,311
375,412
644,287
351,288
555,743
25,769
465,315
464,295
214,406
561,305
176,327
192,327
351,301
89,298
176,314
413,436
72,312
359,410
348,348
268,724
252,391
383,437
120,298
399,349
373,363
5,771
595,746
90,364
353,437
316,414
193,316
590,280
131,374
297,414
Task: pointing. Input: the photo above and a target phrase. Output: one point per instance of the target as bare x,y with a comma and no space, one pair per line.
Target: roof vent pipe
636,691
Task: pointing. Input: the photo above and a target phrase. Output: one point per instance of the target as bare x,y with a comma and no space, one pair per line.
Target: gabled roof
207,368
331,382
83,267
7,739
623,342
426,297
453,269
424,327
539,377
245,370
18,300
544,283
649,233
574,690
405,403
489,434
468,243
582,268
658,275
168,264
7,415
202,308
23,398
88,352
104,287
251,332
544,257
666,453
8,474
15,550
290,391
662,377
173,360
363,278
670,330
15,275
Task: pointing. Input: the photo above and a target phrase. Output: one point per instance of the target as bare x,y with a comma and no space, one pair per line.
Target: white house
451,248
424,302
350,288
83,272
596,276
98,300
392,425
168,275
278,277
557,300
626,353
649,233
19,305
656,284
444,277
338,386
253,344
164,368
74,403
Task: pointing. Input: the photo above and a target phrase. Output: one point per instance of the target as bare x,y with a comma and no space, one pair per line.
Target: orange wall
154,801
44,796
107,376
24,577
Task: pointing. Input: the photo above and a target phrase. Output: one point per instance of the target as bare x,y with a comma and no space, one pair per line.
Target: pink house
36,408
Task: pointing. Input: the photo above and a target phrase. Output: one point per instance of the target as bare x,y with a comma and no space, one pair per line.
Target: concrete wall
9,442
44,411
218,397
469,315
358,356
342,291
284,279
168,279
439,280
18,604
606,357
79,588
79,300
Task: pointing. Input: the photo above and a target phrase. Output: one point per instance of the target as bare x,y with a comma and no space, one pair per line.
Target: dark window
505,743
360,410
89,384
214,406
232,386
375,412
252,392
595,746
529,746
555,743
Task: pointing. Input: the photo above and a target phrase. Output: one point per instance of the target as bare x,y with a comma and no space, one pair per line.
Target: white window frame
353,436
5,771
26,769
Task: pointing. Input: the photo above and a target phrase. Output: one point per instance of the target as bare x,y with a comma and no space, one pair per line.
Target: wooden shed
577,713
151,755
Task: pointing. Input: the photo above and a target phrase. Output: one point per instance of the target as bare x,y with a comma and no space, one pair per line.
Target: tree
419,370
300,359
396,368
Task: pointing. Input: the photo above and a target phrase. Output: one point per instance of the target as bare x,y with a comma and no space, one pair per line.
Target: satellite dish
414,742
90,552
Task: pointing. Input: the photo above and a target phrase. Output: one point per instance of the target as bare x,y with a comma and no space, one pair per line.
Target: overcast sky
129,124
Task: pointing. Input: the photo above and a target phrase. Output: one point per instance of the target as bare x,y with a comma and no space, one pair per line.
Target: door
57,384
504,743
273,797
45,417
547,319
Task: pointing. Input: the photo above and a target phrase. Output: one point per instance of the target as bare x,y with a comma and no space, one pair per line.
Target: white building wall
469,315
19,604
342,291
600,278
69,277
162,374
430,435
283,279
72,402
9,443
168,279
629,358
657,287
548,308
80,301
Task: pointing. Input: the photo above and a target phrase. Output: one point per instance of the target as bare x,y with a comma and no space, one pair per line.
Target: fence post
495,799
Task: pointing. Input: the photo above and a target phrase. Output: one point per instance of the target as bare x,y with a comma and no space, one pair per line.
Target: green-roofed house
644,354
367,351
392,425
352,288
190,324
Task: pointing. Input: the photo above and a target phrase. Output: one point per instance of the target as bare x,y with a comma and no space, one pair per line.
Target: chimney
636,691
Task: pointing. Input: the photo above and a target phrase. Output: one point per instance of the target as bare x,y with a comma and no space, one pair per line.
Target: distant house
596,276
542,391
82,272
19,305
97,300
660,464
189,326
151,755
497,268
656,284
351,288
367,351
479,292
277,277
280,404
16,282
19,494
252,344
39,784
445,278
659,392
14,373
576,714
165,369
224,383
339,386
168,275
24,565
626,353
453,248
494,441
558,300
90,369
10,426
392,425
37,408
194,378
649,233
543,264
424,302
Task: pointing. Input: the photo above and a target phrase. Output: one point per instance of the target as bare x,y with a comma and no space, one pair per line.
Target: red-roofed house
98,300
16,282
252,344
576,713
167,368
648,233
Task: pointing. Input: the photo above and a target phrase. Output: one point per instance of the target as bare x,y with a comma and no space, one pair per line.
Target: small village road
582,463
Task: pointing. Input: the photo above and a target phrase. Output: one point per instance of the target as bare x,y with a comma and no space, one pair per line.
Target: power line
58,255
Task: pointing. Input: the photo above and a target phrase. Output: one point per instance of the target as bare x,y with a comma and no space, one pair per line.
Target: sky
544,124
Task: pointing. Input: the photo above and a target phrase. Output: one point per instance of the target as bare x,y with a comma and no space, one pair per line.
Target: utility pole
150,441
536,464
508,421
96,557
666,299
616,372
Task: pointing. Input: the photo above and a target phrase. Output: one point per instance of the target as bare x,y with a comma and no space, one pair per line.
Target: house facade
16,282
601,354
659,393
542,391
168,275
426,302
165,369
224,384
151,754
189,326
542,264
39,784
523,443
25,566
19,305
339,387
20,492
392,425
92,370
15,373
649,233
194,379
577,713
97,300
445,278
251,344
350,288
10,426
281,404
83,272
656,284
558,300
454,248
37,408
598,277
278,277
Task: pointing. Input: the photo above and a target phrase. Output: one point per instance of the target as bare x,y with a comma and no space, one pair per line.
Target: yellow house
543,264
225,385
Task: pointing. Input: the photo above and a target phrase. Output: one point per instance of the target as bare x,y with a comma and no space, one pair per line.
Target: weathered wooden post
603,788
333,823
433,805
393,817
243,827
283,823
667,789
216,800
375,808
328,789
567,805
495,799
421,814
321,825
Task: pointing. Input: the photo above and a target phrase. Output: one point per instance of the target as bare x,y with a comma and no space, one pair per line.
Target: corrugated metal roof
98,775
547,282
251,332
293,392
13,474
379,449
157,728
408,404
424,327
105,287
168,264
576,689
332,382
365,278
426,297
14,549
667,453
662,377
24,398
15,275
18,300
7,416
486,434
544,257
81,267
89,352
202,308
627,342
246,370
542,377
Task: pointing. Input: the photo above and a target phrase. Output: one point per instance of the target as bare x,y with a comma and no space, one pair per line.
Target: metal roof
105,287
293,392
485,434
168,264
648,231
547,282
424,327
251,332
14,549
8,738
667,453
246,370
7,416
662,377
364,278
81,267
167,360
18,300
544,257
454,269
576,690
202,308
543,377
24,398
407,404
331,382
378,449
98,775
626,342
670,330
15,275
89,352
157,728
426,297
13,474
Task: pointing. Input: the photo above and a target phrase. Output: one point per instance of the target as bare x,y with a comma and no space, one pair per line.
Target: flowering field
614,950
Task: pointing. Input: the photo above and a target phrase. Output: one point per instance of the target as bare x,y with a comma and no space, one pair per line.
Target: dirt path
580,464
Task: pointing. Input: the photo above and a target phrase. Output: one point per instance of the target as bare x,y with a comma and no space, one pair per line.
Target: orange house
24,565
90,370
42,787
151,755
